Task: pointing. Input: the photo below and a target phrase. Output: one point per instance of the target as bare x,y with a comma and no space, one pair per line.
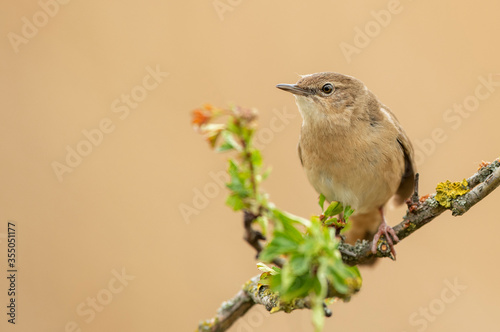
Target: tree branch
421,213
253,237
255,293
324,274
229,312
481,184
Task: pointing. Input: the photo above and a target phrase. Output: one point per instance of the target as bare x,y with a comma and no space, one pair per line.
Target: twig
253,237
480,184
228,313
255,293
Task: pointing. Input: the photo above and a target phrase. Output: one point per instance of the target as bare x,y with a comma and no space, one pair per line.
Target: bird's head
330,96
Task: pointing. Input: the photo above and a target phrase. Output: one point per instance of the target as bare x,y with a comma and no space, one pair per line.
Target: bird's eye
327,88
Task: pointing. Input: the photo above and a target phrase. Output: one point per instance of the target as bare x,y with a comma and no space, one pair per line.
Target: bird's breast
360,169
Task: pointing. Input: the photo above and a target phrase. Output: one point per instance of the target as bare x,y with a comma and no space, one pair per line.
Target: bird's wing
406,185
300,154
408,179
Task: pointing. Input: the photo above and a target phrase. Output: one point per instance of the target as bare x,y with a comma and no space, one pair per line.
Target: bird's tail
363,227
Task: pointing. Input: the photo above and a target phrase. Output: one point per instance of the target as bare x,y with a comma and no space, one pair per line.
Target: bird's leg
389,234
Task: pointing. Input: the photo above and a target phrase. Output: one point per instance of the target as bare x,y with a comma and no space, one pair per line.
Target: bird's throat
323,120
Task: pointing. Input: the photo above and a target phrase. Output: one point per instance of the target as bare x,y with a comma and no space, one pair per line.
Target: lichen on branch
447,191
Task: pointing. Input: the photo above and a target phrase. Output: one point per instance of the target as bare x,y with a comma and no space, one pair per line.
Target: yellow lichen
447,191
208,324
354,283
247,285
274,310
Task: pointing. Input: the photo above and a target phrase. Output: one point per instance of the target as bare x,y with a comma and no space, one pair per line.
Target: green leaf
233,170
345,279
346,228
275,282
266,173
338,282
246,134
285,241
265,278
300,264
299,287
232,127
281,243
270,252
318,315
264,268
330,222
263,223
333,209
286,217
347,212
238,183
355,271
235,202
293,233
230,141
224,147
341,269
287,280
256,158
321,276
321,201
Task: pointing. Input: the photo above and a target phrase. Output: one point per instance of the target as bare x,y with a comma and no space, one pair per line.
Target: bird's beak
293,88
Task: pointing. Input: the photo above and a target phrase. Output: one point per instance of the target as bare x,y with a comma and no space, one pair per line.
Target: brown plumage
353,150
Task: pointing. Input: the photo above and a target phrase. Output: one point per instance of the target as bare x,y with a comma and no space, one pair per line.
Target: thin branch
228,313
480,184
253,292
252,236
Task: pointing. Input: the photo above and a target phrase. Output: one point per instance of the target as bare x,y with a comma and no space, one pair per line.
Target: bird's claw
390,236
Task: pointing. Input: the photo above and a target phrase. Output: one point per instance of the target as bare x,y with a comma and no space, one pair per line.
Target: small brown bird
353,151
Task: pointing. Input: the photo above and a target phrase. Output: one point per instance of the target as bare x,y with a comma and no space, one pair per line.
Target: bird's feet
390,236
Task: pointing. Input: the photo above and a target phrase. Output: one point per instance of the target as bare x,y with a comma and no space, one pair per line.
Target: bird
353,151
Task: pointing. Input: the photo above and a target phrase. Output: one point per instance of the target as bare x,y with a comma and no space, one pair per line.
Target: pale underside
354,162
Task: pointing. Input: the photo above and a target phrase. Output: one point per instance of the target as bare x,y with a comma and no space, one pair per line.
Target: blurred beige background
102,242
